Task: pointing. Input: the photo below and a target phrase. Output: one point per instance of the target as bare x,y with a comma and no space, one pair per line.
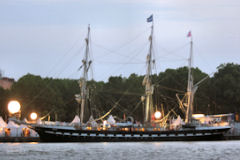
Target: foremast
86,63
147,80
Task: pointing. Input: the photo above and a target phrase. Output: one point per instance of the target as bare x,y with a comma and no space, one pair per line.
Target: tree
219,94
226,88
4,94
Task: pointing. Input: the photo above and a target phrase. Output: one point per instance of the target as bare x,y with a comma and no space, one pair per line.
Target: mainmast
147,80
83,81
190,88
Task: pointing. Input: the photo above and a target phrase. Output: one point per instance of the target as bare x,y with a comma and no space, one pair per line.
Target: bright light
14,107
33,116
104,123
157,115
198,115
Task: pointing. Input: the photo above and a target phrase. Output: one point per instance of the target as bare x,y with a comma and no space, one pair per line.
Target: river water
214,150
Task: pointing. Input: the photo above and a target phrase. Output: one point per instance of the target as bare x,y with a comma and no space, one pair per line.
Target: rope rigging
116,51
131,56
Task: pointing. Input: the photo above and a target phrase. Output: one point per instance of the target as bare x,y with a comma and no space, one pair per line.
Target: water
217,150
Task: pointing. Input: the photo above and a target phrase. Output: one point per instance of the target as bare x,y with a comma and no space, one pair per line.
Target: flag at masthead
150,19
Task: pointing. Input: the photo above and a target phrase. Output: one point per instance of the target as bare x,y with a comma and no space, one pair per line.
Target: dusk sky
46,37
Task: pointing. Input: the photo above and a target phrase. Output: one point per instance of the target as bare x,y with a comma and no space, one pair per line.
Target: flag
150,19
189,34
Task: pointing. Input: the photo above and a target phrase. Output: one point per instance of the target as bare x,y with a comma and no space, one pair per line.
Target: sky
46,37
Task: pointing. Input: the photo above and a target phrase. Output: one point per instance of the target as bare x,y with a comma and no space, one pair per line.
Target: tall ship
86,128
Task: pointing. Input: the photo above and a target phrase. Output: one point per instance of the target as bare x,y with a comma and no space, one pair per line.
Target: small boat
120,132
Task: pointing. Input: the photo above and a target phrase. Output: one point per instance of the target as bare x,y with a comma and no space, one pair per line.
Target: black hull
61,135
57,138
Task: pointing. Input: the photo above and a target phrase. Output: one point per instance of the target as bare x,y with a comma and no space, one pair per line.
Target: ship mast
147,80
190,88
83,81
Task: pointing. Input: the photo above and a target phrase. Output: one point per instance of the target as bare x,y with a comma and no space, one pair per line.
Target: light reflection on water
33,142
217,150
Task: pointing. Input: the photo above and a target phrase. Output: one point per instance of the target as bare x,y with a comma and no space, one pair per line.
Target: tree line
218,94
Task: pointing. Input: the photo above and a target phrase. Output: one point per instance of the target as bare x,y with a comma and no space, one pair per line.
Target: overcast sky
46,37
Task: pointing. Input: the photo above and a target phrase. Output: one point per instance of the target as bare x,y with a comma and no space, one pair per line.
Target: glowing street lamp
157,115
14,107
33,116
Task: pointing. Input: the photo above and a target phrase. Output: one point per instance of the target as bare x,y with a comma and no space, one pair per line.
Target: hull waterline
63,135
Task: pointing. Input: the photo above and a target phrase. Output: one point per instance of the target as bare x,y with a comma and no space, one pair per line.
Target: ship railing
51,123
218,124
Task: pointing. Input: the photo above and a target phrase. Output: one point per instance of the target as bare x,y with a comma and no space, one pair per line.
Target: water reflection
33,142
221,150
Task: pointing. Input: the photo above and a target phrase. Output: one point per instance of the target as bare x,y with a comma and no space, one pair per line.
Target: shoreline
37,139
19,139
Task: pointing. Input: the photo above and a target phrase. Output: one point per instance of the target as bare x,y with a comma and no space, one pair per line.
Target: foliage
218,94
